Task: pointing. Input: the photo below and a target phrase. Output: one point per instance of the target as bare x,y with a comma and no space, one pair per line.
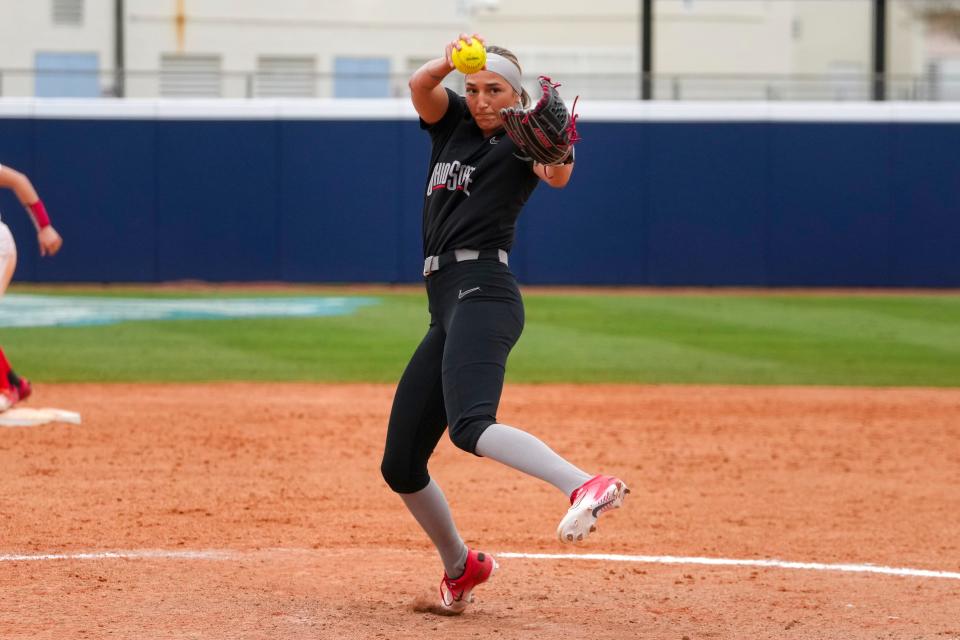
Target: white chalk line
728,562
141,554
226,554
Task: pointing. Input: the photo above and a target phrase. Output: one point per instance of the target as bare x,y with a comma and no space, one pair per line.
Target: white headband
506,69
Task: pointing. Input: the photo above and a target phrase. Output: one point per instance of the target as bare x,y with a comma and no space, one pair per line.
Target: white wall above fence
401,109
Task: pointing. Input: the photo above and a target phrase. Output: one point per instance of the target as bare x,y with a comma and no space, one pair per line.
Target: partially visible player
13,388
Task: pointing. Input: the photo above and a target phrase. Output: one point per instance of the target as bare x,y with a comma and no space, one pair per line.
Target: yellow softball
470,58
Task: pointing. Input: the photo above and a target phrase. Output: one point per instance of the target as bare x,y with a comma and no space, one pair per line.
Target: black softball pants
455,377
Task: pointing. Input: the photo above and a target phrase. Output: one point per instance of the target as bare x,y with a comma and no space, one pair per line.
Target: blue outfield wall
868,199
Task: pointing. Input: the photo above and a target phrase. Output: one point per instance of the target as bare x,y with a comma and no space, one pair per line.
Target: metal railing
595,86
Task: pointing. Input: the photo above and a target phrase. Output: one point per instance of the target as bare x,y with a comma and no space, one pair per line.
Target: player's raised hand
456,44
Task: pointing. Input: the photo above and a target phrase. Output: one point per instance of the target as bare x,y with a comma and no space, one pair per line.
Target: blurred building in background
702,49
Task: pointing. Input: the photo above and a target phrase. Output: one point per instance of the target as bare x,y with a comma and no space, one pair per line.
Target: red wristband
39,214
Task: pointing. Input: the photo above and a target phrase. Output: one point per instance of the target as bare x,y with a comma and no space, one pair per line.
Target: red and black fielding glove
546,132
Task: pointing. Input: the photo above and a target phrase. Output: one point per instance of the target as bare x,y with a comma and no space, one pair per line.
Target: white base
24,417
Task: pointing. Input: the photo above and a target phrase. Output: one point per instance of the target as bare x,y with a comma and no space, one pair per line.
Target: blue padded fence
655,199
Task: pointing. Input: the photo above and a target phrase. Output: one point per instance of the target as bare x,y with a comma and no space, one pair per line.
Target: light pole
879,50
645,9
119,61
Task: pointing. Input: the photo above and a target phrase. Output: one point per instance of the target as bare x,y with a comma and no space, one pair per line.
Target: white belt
434,263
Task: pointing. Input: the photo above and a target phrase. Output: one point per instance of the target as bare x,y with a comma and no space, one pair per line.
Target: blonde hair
509,55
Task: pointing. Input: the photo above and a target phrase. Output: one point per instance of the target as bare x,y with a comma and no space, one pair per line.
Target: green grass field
875,340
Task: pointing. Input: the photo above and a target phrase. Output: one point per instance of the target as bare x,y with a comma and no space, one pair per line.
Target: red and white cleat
455,595
595,496
8,397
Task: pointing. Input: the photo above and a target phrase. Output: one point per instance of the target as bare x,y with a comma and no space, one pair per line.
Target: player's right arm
48,238
426,91
19,184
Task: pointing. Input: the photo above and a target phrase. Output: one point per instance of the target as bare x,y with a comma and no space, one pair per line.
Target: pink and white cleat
595,496
455,595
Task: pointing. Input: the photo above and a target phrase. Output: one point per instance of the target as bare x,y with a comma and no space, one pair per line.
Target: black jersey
476,186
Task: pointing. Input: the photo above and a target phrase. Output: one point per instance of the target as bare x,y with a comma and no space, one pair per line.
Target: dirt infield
257,511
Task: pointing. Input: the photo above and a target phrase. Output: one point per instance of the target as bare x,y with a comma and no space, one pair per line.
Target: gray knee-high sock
526,453
429,507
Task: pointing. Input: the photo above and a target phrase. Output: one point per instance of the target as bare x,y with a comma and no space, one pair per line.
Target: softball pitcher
477,184
13,388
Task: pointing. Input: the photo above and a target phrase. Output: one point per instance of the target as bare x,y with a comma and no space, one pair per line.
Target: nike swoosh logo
603,505
467,292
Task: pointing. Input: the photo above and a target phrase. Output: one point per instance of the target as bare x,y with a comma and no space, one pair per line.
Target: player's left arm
555,175
48,238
